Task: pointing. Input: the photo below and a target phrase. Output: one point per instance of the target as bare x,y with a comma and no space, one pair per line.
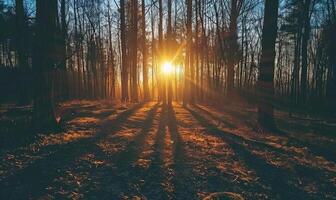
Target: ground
151,151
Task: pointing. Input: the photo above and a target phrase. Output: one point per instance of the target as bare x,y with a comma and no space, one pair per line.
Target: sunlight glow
178,70
167,68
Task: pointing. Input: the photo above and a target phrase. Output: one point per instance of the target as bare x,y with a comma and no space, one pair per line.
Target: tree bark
144,53
134,66
111,58
64,83
44,62
124,65
21,39
162,85
232,40
305,39
187,88
266,72
169,47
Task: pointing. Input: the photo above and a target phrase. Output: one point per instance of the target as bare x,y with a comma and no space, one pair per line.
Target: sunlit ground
150,151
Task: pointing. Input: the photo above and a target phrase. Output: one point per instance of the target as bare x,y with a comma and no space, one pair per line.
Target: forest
168,99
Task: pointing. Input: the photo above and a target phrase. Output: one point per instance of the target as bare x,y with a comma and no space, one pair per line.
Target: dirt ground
151,151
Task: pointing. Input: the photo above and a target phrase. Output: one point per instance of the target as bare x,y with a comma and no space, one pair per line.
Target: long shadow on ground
119,179
183,177
277,180
224,121
326,151
32,181
155,174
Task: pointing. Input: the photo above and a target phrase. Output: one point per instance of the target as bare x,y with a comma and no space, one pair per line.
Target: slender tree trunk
162,85
124,65
144,53
197,52
153,53
233,40
305,39
111,58
187,88
296,68
169,47
134,66
64,83
21,25
266,72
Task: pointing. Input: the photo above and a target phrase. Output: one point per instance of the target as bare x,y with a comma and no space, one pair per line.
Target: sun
167,68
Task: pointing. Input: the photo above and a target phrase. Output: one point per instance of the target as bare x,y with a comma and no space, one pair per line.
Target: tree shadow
17,130
241,139
228,124
155,174
135,147
119,173
247,117
319,150
276,179
184,177
327,152
31,181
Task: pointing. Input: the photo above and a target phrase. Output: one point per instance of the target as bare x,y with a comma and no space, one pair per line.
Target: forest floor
150,151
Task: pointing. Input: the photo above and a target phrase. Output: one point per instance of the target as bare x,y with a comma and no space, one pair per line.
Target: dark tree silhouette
124,64
21,40
44,63
266,71
144,52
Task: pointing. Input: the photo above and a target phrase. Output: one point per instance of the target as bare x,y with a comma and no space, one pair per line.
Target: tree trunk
232,40
124,65
111,55
162,85
305,38
44,62
187,92
144,53
169,47
266,72
21,25
64,83
134,66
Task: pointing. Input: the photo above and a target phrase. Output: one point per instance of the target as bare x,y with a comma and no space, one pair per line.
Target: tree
169,47
330,43
21,43
44,63
134,49
111,56
298,24
63,65
124,65
162,85
187,65
305,38
144,53
266,71
233,46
